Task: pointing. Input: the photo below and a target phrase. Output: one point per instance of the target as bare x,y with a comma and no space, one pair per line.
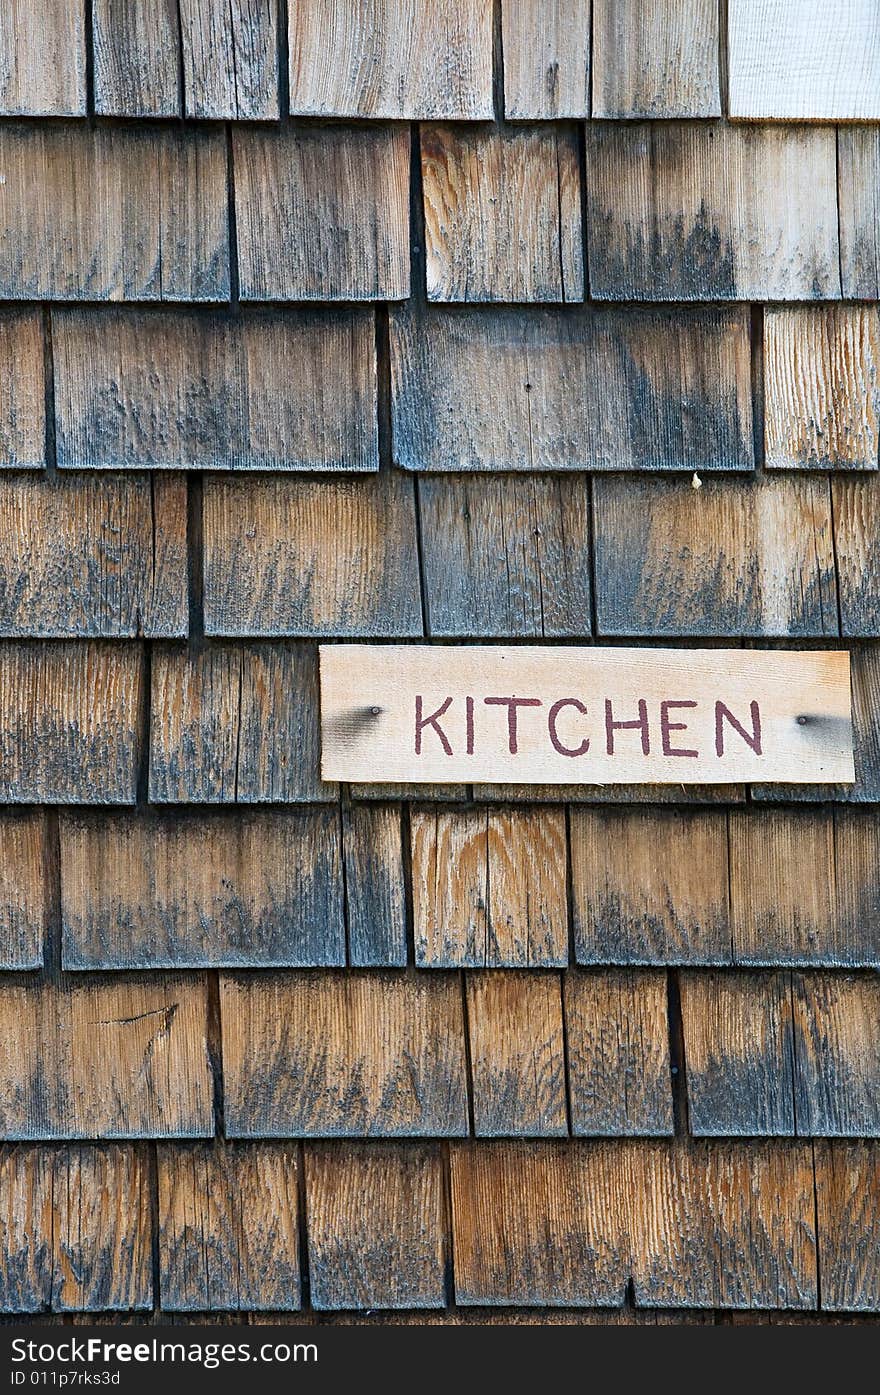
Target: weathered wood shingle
43,58
228,1227
136,56
25,892
489,888
617,1035
650,887
822,387
229,51
859,202
655,58
235,724
312,558
102,1230
413,60
105,1058
375,885
322,212
571,389
502,214
506,555
135,213
344,1055
390,1253
690,211
259,391
730,558
92,557
149,891
22,390
546,48
740,1053
69,716
856,509
517,1054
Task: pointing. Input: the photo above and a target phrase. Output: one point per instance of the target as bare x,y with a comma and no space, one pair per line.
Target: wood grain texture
856,924
311,557
784,889
539,1224
859,199
847,1207
650,887
136,52
837,1054
802,60
865,789
617,1034
822,388
256,391
69,723
517,1054
322,212
228,1227
729,559
102,1230
723,1225
573,389
92,557
391,1253
136,213
24,889
502,214
740,1053
229,51
22,390
691,211
375,886
344,1055
393,59
105,1058
235,724
856,509
506,557
163,890
43,58
26,1260
489,888
655,58
546,46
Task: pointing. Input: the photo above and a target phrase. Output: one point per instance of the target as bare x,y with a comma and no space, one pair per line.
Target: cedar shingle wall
474,321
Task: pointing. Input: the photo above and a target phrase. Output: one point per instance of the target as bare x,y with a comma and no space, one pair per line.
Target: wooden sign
492,714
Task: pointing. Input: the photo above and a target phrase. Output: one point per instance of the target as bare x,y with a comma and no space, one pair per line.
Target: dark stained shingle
344,1055
192,890
322,212
92,557
265,390
571,389
136,213
691,211
312,558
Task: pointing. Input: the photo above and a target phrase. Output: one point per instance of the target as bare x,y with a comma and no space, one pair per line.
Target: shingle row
673,212
395,58
565,1226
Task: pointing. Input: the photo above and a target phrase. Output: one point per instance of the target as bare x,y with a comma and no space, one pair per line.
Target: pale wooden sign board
494,714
